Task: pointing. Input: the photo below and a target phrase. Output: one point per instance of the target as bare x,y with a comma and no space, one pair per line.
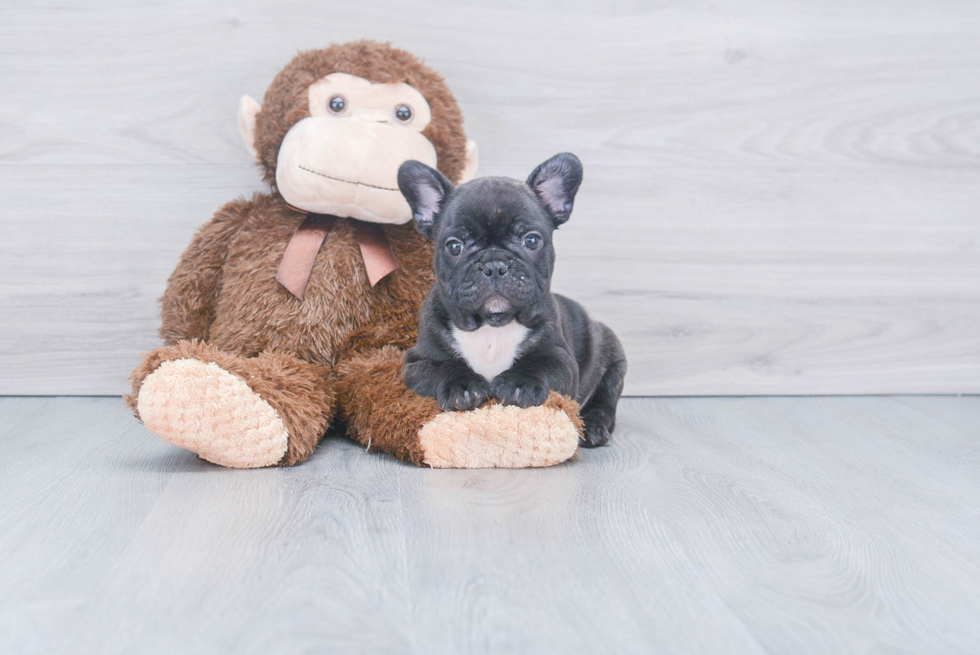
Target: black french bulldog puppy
490,326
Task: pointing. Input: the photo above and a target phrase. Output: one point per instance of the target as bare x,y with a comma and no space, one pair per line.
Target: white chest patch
489,350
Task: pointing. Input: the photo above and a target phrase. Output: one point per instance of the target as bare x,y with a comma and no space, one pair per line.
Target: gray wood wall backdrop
780,197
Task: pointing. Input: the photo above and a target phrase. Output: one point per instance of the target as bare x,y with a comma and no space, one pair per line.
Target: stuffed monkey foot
499,436
233,411
211,412
383,413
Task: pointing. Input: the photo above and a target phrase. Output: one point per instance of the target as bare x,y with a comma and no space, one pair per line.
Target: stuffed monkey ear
472,160
425,189
555,183
248,109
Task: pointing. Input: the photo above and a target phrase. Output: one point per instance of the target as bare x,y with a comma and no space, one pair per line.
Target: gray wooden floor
738,525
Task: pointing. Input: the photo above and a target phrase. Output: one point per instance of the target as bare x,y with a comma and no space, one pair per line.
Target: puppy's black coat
490,326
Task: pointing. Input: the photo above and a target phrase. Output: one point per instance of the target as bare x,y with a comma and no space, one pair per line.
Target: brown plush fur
246,311
377,404
341,346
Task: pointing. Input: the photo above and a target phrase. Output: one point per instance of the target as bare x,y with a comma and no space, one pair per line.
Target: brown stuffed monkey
291,310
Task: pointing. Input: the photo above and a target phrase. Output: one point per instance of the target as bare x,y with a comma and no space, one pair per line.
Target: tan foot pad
209,411
496,436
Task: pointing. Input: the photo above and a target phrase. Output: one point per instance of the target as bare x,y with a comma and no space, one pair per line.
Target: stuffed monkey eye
403,113
533,240
337,105
454,247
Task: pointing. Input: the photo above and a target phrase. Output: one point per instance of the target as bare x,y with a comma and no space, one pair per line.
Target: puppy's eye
532,241
403,113
337,105
454,247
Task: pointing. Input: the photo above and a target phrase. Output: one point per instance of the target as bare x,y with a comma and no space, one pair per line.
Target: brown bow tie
301,251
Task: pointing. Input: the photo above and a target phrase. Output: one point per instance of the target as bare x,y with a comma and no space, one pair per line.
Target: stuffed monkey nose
370,116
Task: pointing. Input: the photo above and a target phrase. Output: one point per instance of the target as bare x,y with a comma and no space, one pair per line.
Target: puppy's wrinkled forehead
496,206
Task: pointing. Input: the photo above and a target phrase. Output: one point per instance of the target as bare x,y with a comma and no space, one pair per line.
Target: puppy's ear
556,182
425,189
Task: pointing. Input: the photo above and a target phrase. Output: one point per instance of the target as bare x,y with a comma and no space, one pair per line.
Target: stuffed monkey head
336,124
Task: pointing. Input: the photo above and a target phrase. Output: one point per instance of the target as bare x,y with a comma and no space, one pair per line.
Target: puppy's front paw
463,393
521,389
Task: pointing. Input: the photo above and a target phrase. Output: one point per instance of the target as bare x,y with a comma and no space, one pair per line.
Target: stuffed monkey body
255,366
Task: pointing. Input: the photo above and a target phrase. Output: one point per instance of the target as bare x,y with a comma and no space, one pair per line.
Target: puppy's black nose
497,268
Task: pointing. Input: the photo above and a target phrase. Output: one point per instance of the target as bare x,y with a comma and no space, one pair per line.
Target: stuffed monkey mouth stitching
337,179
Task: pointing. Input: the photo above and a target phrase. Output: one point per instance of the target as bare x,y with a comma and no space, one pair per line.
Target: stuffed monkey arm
188,302
383,414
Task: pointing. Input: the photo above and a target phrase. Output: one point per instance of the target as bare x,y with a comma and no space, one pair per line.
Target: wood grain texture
711,525
780,198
